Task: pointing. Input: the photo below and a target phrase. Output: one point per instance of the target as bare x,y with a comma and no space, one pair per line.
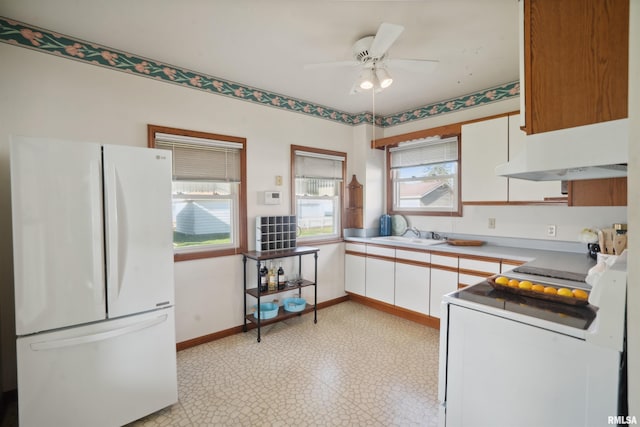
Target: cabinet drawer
446,261
491,267
422,257
356,247
381,251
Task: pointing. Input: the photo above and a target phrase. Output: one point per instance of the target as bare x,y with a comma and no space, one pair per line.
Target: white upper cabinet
487,144
484,146
520,189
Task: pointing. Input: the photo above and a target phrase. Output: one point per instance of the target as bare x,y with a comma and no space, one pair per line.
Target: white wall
43,95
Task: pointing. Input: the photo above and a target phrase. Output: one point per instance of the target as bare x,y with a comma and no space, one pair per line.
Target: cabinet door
412,287
520,189
576,55
484,146
354,274
380,280
598,192
442,282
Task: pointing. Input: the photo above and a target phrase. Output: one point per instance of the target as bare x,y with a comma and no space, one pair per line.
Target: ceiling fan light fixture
366,80
384,78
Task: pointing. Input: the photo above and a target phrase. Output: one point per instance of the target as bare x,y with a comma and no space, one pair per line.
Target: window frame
424,212
241,216
341,214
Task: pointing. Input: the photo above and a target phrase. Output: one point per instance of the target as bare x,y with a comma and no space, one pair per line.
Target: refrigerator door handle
100,336
117,226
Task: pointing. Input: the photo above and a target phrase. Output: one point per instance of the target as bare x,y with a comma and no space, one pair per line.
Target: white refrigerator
93,276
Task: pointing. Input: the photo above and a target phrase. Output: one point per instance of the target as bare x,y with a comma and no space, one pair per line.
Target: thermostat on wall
271,197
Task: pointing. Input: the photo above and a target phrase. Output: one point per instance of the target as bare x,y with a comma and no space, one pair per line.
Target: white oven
508,359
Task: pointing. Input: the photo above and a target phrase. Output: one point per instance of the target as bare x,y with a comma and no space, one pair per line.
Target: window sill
423,213
319,242
189,256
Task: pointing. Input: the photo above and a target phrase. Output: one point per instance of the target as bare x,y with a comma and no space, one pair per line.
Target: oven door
501,372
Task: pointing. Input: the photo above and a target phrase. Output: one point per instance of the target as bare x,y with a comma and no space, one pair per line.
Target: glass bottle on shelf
264,279
272,278
281,278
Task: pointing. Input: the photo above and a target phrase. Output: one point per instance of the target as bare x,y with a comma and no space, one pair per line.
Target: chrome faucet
436,236
414,230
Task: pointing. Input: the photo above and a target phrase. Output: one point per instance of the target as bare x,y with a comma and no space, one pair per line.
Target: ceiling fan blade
387,34
355,89
334,64
416,65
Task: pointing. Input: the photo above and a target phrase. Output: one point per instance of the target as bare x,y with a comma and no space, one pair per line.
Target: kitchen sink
406,239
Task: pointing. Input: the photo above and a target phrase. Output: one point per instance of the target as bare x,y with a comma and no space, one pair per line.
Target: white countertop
575,262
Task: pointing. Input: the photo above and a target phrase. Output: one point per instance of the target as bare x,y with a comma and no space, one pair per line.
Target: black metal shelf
258,257
255,292
282,315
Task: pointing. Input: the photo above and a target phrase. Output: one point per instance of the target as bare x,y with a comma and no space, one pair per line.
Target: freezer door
58,250
105,374
138,229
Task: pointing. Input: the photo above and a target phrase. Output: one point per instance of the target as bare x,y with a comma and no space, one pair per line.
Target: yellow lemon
580,294
501,280
525,284
550,290
514,283
537,288
565,292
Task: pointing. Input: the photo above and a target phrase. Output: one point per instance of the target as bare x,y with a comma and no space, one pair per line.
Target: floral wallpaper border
25,35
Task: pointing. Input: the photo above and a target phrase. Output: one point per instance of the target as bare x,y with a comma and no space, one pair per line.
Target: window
318,186
209,191
424,177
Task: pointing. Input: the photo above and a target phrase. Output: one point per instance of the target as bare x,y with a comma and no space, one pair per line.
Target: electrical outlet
492,223
278,179
551,230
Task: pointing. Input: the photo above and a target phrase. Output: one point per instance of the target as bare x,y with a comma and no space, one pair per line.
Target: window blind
317,165
424,152
199,159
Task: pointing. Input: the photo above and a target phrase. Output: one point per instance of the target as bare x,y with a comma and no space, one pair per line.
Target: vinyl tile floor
356,367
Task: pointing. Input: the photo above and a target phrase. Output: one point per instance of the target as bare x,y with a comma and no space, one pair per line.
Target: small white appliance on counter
508,359
93,273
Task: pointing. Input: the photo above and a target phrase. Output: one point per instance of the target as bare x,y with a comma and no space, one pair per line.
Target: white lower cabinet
412,281
474,271
442,282
380,274
354,274
444,279
355,269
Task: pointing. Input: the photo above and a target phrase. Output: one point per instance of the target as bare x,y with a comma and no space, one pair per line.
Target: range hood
585,152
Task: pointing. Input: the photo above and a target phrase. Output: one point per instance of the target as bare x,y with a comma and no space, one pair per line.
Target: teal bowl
268,310
294,305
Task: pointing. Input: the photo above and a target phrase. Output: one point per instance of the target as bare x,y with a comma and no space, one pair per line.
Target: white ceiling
266,43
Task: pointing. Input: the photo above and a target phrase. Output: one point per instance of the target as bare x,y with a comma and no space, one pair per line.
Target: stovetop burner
547,272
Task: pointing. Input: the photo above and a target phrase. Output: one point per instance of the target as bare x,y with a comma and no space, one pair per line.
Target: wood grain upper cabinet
575,60
598,192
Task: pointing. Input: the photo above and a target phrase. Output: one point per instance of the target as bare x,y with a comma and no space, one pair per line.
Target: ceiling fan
370,53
